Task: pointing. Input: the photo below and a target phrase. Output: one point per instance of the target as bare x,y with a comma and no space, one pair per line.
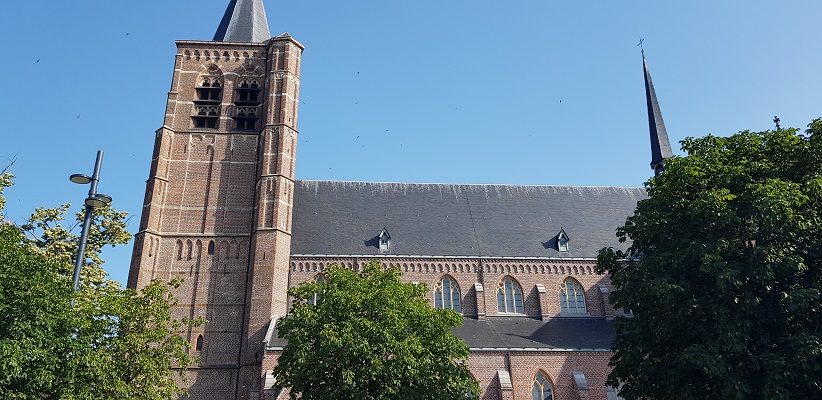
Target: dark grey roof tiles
244,21
345,218
529,333
522,333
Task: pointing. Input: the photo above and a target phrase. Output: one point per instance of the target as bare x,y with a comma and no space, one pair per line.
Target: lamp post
94,200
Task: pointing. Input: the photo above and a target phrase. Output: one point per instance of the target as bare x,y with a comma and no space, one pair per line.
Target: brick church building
224,211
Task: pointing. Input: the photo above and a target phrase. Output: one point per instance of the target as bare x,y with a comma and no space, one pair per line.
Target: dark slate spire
660,146
244,21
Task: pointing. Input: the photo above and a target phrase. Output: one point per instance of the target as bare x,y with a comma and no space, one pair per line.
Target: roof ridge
465,184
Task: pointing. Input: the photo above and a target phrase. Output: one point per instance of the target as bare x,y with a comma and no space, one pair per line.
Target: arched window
571,297
199,345
211,248
447,294
316,297
613,393
509,296
541,389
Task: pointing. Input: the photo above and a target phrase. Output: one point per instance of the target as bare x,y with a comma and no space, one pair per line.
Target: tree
112,343
724,273
370,336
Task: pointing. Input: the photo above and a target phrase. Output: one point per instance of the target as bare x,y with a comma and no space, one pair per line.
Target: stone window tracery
509,296
572,297
541,387
447,294
207,103
247,103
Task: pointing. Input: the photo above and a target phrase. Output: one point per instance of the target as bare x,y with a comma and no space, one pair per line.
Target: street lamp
94,200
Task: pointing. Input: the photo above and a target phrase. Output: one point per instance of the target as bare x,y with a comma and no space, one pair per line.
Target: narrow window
541,388
572,297
447,294
613,393
509,296
316,297
211,248
199,345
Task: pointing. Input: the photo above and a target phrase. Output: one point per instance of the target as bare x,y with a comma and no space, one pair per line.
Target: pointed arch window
447,294
509,296
572,297
316,297
613,393
541,387
207,103
199,345
247,104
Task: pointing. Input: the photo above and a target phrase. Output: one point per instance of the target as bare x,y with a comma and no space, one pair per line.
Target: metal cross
640,45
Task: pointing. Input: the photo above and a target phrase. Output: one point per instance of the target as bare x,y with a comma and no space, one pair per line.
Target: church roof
521,333
660,145
244,21
346,218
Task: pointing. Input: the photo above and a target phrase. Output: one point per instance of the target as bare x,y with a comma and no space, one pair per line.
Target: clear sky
457,91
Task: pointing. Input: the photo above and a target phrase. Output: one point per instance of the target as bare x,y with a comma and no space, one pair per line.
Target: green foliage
111,344
371,337
45,231
5,181
726,282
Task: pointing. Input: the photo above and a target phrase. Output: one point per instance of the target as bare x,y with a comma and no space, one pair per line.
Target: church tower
219,197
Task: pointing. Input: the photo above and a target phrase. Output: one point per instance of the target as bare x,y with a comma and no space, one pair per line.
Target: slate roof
525,334
244,21
660,145
345,218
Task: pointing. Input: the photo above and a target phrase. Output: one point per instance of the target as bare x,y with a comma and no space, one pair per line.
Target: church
224,211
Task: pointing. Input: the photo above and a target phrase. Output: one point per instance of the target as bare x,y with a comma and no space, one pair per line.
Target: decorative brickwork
218,205
218,213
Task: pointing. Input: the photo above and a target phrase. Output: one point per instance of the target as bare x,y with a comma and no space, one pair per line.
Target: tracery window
572,297
541,388
247,104
447,294
509,296
207,103
316,297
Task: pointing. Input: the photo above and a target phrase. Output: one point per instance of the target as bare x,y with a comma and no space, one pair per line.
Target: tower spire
660,146
244,21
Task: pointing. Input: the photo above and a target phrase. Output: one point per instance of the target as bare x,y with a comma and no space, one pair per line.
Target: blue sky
519,92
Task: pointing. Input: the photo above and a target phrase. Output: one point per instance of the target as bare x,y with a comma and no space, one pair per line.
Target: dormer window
384,240
562,240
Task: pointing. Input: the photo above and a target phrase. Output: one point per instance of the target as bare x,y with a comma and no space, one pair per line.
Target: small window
447,294
509,296
211,248
541,387
572,297
562,240
384,240
199,345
